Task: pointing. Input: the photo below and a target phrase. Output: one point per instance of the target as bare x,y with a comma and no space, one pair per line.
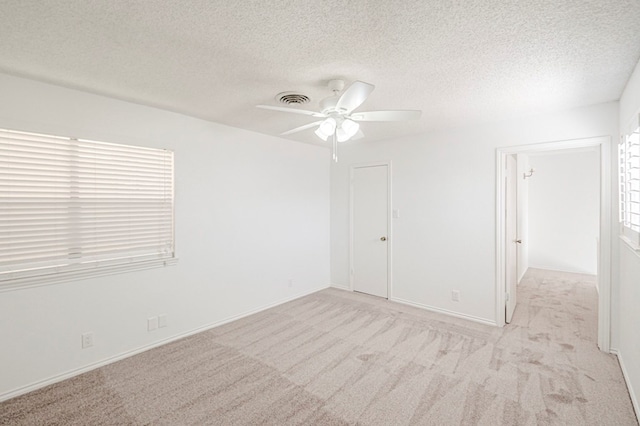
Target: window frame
629,183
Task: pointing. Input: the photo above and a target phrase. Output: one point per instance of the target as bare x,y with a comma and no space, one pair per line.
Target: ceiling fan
339,121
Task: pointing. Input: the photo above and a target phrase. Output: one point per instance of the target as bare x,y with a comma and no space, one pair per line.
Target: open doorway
504,266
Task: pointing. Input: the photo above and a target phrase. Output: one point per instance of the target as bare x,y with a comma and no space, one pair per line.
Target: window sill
60,277
631,244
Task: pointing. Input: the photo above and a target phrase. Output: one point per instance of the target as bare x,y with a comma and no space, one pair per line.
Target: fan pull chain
334,141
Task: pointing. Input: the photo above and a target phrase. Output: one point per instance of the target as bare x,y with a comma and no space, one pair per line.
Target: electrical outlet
162,321
455,295
152,323
290,282
87,340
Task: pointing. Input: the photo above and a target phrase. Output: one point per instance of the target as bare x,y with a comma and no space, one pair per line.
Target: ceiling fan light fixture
326,128
347,130
321,135
341,135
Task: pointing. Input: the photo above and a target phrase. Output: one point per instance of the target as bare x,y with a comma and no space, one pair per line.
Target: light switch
396,213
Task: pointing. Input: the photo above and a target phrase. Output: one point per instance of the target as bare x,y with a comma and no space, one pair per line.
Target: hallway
553,337
560,308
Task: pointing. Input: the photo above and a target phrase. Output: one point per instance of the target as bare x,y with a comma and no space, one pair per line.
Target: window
73,207
629,162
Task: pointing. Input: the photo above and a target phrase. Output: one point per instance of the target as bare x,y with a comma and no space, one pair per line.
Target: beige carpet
344,358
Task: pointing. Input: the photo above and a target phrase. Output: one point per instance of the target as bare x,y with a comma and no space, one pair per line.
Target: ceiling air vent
292,98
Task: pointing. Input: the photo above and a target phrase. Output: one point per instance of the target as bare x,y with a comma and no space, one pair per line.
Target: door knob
519,241
383,238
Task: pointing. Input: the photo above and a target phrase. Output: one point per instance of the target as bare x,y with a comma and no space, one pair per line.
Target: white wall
444,183
628,318
564,211
252,211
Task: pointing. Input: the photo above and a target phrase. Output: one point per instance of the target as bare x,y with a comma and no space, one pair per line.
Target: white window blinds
76,205
629,160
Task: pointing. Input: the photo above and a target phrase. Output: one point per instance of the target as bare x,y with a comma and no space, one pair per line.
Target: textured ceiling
459,62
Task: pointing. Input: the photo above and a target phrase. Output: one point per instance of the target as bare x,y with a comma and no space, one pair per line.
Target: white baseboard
340,286
75,372
445,311
632,394
522,276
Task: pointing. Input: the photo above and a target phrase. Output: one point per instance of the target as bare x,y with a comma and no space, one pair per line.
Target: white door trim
511,235
389,229
604,255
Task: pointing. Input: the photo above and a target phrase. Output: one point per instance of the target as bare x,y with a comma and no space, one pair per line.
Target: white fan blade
301,128
293,110
354,96
358,135
399,115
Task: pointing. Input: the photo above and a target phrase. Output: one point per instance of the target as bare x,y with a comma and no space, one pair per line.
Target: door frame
352,169
514,184
604,249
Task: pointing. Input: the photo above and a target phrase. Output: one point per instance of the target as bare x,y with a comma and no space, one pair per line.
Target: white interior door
511,233
370,195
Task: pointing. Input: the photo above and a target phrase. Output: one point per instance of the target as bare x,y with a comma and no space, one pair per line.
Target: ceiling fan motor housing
328,105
